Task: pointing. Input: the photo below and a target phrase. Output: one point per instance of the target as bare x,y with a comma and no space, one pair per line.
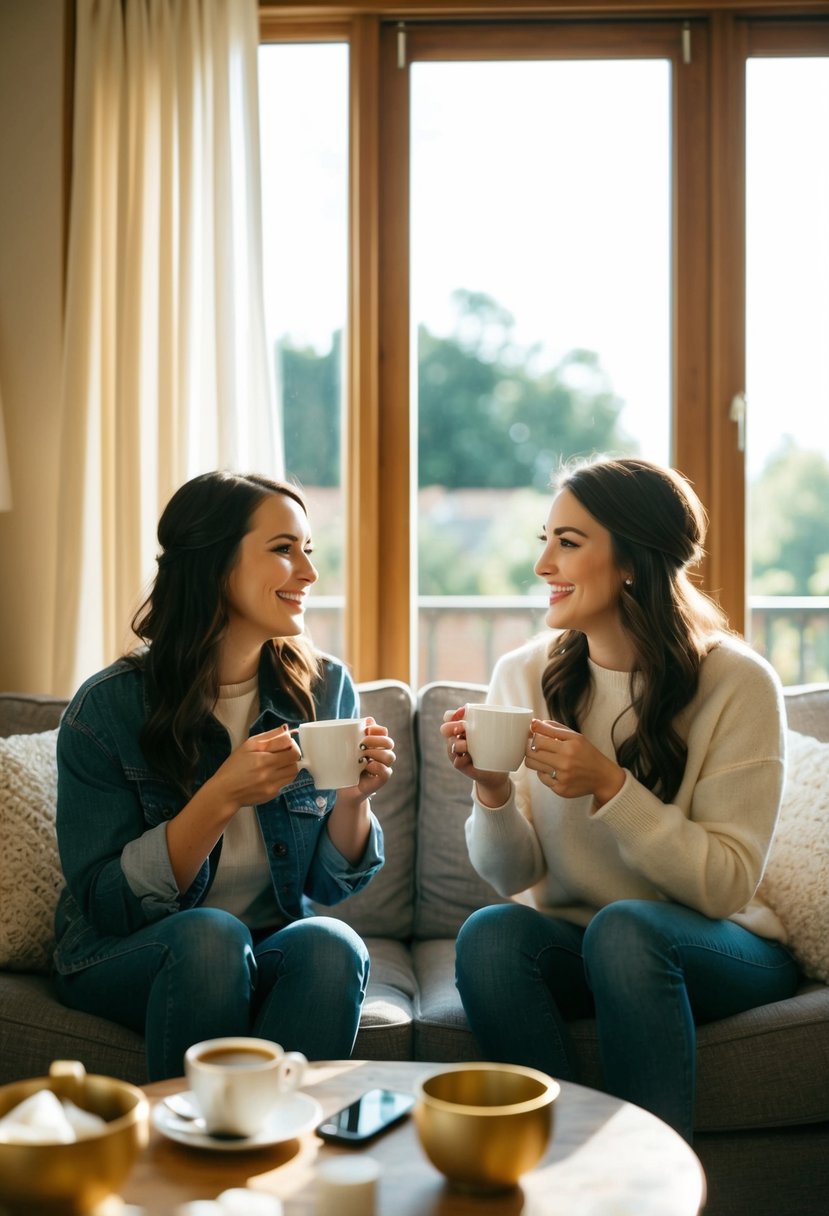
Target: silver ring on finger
553,774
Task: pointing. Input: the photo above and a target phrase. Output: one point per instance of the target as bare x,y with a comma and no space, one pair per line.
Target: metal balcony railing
460,637
793,634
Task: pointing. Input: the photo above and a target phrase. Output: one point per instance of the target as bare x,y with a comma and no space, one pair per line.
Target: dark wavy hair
184,617
657,527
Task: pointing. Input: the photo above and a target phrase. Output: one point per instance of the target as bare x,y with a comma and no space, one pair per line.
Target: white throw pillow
796,881
30,873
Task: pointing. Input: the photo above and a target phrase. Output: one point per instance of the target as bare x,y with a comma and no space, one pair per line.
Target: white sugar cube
242,1201
38,1119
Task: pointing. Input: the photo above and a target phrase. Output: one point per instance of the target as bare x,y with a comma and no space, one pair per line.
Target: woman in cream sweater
635,834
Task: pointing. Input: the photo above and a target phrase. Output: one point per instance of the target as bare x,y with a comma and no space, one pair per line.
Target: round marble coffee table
606,1158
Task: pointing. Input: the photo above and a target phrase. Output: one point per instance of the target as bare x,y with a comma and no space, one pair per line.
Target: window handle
737,413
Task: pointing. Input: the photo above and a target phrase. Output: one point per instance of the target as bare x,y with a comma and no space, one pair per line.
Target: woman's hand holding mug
486,743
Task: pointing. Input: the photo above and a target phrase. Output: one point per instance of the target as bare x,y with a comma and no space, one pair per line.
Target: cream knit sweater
707,849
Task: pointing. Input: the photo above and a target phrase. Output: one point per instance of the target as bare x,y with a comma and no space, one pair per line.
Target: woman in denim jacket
191,838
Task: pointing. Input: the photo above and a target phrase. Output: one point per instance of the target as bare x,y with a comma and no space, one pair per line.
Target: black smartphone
371,1114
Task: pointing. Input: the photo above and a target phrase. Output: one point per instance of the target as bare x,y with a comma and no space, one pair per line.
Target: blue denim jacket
113,811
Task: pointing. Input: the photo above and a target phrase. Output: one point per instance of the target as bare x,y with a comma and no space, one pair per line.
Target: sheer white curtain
166,370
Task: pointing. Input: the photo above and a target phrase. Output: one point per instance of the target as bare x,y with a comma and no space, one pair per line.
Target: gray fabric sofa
763,1104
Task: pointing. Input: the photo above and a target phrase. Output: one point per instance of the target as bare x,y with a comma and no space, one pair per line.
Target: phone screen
376,1110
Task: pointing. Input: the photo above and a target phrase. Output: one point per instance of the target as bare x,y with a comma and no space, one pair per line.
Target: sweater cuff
633,812
510,802
495,824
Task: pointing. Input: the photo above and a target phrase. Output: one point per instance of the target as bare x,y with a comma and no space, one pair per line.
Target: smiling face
578,566
270,579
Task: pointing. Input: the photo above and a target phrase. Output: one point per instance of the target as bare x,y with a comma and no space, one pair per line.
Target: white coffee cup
497,736
331,751
238,1082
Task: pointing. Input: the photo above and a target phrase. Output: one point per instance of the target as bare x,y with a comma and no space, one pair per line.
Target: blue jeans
649,972
198,975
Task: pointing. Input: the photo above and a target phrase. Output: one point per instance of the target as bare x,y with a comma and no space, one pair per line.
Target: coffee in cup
237,1083
235,1057
497,736
331,751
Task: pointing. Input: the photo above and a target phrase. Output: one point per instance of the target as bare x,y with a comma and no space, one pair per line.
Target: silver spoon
183,1108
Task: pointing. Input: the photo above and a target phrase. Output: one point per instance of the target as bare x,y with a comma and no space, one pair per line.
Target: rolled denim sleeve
146,865
332,878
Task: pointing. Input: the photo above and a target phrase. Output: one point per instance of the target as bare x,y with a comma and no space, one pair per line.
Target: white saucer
295,1115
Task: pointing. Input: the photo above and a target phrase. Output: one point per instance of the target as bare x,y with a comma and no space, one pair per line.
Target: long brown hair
185,616
657,527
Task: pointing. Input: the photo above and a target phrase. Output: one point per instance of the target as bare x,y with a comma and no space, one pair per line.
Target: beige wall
31,276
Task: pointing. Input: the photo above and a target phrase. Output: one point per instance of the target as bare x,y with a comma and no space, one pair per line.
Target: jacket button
280,849
320,801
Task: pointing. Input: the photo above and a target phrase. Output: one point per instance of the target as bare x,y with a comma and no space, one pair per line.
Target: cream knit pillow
796,881
30,874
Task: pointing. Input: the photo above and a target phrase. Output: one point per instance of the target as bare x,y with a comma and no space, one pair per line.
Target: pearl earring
628,582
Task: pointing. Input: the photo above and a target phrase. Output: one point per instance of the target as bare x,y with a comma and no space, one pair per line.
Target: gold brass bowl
484,1125
73,1179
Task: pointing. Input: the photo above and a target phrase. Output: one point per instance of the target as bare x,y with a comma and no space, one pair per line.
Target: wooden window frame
708,261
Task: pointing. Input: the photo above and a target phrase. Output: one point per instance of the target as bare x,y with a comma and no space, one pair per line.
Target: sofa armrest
23,713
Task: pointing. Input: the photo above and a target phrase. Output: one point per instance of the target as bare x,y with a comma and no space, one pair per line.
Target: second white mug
497,736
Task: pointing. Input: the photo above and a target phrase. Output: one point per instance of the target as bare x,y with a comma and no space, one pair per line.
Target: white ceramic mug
238,1082
497,736
331,751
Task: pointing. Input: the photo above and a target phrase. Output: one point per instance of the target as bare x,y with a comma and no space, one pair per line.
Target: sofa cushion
796,881
766,1067
387,1018
35,1030
385,907
448,888
30,878
442,1032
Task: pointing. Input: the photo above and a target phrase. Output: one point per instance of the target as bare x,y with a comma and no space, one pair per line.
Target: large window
787,360
305,209
544,246
541,320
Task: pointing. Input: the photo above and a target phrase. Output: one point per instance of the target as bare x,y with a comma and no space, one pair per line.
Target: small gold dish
484,1125
73,1179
